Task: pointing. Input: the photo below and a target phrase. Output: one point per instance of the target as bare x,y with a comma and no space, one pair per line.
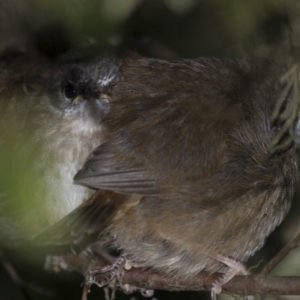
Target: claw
235,268
102,277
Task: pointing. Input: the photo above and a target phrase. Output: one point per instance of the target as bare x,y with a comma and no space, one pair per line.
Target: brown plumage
191,138
187,145
183,167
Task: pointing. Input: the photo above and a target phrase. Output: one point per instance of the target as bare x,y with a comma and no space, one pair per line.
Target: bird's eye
70,92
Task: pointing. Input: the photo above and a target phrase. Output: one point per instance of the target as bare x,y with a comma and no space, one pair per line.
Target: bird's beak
105,97
77,100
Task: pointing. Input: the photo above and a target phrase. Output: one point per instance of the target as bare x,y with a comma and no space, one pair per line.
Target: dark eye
70,92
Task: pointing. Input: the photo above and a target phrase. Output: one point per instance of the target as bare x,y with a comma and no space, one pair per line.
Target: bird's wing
103,171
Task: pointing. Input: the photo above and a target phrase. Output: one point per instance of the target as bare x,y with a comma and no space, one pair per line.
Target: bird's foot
235,268
114,273
105,275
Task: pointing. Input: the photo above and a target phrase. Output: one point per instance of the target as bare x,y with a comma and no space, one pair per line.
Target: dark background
165,29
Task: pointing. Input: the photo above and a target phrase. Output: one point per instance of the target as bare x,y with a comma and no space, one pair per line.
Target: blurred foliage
20,191
159,28
187,28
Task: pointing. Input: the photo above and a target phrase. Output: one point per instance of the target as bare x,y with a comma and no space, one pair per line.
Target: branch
280,255
11,271
239,285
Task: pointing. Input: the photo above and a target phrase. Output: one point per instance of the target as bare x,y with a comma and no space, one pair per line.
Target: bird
185,178
171,160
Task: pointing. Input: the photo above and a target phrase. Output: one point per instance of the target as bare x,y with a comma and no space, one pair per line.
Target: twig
239,285
286,76
280,255
279,104
288,126
14,276
85,292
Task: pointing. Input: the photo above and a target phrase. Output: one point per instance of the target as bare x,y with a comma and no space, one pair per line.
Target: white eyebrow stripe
106,80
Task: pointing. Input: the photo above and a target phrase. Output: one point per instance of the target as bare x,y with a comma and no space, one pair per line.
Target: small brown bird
180,157
185,152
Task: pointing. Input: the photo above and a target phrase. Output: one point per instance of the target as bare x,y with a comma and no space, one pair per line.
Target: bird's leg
235,268
115,271
111,271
